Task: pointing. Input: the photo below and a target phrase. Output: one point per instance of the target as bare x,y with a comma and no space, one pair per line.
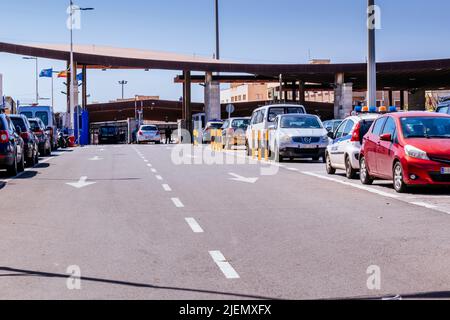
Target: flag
62,74
80,77
46,73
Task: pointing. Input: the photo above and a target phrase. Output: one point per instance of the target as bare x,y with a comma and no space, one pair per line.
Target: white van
47,116
264,117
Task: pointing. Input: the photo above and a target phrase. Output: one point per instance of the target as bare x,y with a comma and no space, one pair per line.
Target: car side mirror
272,127
330,135
386,137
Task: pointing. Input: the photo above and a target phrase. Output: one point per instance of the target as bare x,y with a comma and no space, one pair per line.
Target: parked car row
22,140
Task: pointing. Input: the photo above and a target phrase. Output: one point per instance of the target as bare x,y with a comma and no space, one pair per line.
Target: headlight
285,139
414,152
325,139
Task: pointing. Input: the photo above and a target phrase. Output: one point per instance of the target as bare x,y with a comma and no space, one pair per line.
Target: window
226,124
27,114
240,124
295,110
43,116
298,122
378,126
443,109
232,99
340,130
426,127
260,117
244,97
274,112
348,128
389,127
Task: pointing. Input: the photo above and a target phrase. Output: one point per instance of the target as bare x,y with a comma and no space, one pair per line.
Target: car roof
239,118
282,105
364,116
415,114
304,115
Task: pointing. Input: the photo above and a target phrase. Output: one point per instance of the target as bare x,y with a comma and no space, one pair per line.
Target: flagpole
53,94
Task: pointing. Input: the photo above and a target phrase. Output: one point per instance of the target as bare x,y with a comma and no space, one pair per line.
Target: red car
412,149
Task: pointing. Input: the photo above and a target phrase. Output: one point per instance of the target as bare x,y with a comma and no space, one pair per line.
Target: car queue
22,141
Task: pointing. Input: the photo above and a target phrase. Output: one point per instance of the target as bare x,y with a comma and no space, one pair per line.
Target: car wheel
316,158
350,172
364,173
399,183
330,169
12,170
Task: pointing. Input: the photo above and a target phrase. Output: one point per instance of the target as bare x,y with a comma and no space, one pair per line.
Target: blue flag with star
46,73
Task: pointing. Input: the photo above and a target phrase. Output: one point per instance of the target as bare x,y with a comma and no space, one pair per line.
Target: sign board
230,108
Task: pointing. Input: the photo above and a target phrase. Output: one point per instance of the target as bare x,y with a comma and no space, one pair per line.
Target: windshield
34,125
149,128
43,116
426,127
217,125
296,122
18,122
108,130
27,114
240,124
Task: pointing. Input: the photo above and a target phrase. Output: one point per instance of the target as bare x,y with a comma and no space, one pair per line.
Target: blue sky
281,31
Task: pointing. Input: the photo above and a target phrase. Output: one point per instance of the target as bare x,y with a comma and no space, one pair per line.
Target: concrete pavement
151,229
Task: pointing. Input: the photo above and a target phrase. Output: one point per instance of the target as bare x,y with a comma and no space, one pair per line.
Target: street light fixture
37,76
371,55
123,83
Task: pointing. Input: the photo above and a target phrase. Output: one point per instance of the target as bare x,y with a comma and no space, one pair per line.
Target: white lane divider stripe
166,187
149,165
177,202
159,178
224,265
154,171
194,225
361,187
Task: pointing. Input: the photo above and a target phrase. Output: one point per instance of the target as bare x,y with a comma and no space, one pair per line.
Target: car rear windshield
27,114
426,127
43,116
365,127
18,122
215,125
34,125
295,122
149,128
240,124
108,130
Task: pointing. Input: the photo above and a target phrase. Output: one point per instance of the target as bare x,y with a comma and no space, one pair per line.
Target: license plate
308,146
445,170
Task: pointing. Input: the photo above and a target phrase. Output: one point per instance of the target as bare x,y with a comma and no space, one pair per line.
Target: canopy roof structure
405,75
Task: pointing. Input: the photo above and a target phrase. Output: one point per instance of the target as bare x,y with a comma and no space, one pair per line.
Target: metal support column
402,99
391,98
302,92
84,88
371,56
187,101
294,91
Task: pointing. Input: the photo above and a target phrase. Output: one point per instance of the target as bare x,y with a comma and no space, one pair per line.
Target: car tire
329,166
12,170
364,175
349,171
399,183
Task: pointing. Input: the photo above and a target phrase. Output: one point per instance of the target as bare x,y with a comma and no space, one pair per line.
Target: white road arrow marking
239,178
96,158
81,183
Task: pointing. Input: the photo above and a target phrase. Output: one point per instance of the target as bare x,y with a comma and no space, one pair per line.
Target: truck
46,114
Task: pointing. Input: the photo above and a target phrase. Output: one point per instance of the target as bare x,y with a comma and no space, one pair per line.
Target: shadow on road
2,184
11,272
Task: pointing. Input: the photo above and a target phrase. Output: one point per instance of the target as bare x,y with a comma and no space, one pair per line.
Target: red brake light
356,136
25,135
140,133
4,137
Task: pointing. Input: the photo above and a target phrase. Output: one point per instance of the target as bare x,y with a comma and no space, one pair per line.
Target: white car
298,136
344,151
148,133
264,117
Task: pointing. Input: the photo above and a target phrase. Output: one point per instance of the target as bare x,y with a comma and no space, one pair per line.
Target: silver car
298,136
148,133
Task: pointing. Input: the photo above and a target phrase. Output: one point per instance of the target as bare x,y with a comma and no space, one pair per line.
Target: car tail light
356,136
140,133
39,132
4,136
25,135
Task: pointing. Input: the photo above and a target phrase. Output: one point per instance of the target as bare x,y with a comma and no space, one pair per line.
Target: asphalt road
139,225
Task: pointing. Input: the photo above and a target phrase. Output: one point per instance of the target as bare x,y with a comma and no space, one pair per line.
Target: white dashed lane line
425,205
194,225
177,202
149,165
224,265
154,170
159,178
166,187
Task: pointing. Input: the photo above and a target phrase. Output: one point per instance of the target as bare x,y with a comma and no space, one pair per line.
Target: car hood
304,132
436,147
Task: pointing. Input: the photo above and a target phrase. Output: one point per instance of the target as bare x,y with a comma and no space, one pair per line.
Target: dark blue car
11,147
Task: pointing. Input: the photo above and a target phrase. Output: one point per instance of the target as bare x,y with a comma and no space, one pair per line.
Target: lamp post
123,83
73,88
217,30
37,76
371,55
